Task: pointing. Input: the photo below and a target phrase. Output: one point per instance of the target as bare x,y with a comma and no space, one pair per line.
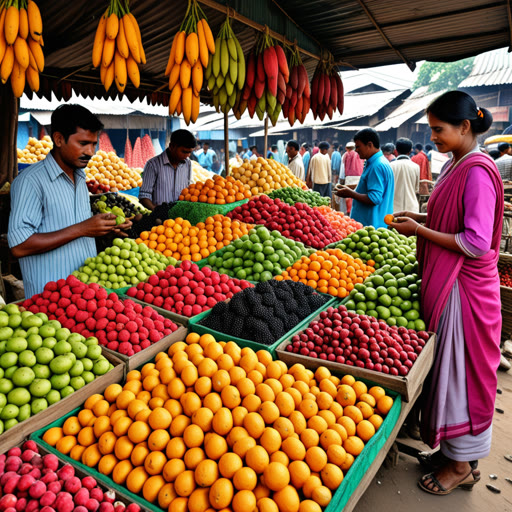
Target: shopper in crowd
273,153
336,163
353,169
428,151
388,150
458,250
295,163
421,159
306,156
494,154
248,154
407,178
373,197
319,176
206,157
51,227
316,148
168,173
504,162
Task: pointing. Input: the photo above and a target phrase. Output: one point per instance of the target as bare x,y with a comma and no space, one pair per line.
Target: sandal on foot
432,460
467,484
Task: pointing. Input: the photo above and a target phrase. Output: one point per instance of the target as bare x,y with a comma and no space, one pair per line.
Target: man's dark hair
323,145
67,118
429,147
418,146
367,135
388,148
206,144
253,147
273,147
183,138
305,145
494,153
293,144
340,147
503,147
403,146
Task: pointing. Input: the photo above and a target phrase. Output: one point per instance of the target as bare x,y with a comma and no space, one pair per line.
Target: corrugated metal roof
490,68
417,102
438,30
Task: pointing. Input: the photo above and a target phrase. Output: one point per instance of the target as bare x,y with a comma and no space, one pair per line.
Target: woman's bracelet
417,227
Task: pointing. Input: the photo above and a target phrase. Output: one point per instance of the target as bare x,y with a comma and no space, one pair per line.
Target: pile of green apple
41,363
126,263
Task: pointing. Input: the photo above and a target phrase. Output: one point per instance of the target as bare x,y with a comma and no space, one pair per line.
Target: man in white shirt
407,178
319,172
295,163
504,162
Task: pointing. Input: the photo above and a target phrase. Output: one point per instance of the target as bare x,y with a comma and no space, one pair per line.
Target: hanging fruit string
21,42
267,76
117,48
190,54
225,73
326,89
297,102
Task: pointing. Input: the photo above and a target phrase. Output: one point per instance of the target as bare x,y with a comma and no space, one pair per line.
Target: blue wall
24,132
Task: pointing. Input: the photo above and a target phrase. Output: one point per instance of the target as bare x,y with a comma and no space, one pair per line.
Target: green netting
119,291
199,212
194,326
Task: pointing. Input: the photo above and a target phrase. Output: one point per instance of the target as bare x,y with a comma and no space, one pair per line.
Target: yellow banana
99,40
233,70
232,48
12,24
7,64
133,71
139,38
109,48
121,43
175,98
192,48
197,77
131,38
23,30
109,76
241,66
17,80
37,53
180,47
32,78
203,46
35,22
195,108
112,26
3,42
216,59
185,74
174,76
186,104
171,61
120,73
21,52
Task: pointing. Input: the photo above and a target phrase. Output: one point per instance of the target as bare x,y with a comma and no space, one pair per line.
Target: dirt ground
395,489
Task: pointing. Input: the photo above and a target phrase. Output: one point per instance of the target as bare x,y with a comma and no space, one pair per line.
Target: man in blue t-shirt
373,197
206,157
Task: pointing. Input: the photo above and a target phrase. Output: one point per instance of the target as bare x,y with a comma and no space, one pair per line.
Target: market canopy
358,33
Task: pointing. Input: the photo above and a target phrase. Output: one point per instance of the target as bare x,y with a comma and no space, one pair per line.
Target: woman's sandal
467,483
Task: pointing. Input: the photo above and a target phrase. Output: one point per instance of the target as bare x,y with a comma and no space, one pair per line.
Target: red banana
282,63
251,70
271,69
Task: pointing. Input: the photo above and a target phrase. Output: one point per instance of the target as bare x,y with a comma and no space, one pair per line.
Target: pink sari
478,285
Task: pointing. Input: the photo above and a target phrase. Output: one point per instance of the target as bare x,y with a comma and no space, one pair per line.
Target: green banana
216,102
220,81
223,96
229,86
232,99
241,66
216,58
211,82
260,113
224,58
233,70
271,100
262,103
232,48
208,70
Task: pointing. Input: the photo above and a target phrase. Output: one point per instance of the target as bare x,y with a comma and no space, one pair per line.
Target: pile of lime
41,363
258,256
292,195
126,263
383,246
390,295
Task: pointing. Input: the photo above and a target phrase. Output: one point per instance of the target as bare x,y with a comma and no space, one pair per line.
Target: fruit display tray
150,352
407,386
16,434
340,497
201,329
80,473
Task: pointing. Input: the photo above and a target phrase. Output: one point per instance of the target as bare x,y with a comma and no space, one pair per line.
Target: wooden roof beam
509,15
409,63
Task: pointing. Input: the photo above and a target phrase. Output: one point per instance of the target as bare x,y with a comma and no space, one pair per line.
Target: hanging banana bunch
190,54
326,89
298,95
225,73
117,48
21,42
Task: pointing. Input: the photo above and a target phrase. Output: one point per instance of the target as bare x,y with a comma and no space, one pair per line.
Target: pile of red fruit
30,482
89,310
187,289
505,271
345,337
95,187
299,221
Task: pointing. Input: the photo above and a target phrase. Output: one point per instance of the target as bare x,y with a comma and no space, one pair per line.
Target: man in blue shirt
336,163
51,227
373,197
206,157
306,156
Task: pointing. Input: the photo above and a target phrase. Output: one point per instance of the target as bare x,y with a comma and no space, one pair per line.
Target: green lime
419,325
395,311
385,300
350,305
383,312
412,315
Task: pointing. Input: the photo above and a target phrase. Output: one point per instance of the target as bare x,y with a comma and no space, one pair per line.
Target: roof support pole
9,106
509,15
409,63
226,143
265,139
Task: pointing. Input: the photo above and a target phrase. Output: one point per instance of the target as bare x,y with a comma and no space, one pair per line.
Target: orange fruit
185,483
245,478
215,446
230,397
354,413
308,408
236,434
179,504
309,506
281,457
193,457
331,476
243,501
239,413
322,495
257,458
384,404
136,479
139,431
166,495
285,403
365,408
260,491
203,418
199,501
77,452
178,425
298,421
348,424
294,448
213,401
359,388
284,426
270,440
160,418
267,504
367,398
317,423
139,454
107,464
349,460
172,469
377,392
193,436
222,422
206,473
254,424
309,437
135,407
71,426
229,464
336,454
221,493
353,445
376,421
155,463
299,473
310,484
106,442
316,458
287,499
176,448
112,392
242,446
86,418
329,437
121,471
65,444
86,436
277,476
269,411
365,430
346,395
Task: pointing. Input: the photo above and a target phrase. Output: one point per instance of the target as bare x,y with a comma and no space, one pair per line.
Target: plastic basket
194,326
199,212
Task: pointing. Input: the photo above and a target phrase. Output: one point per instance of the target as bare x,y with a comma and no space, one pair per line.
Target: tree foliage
443,75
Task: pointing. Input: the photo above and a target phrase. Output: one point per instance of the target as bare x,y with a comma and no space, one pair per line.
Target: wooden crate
16,434
407,386
150,352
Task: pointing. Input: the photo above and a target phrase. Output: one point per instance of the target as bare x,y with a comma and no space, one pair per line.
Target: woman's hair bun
483,122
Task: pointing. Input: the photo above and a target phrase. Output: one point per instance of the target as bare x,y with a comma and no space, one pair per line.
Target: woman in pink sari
458,250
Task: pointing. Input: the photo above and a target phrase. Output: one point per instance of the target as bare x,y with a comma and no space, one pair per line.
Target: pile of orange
211,425
339,221
218,190
331,271
179,239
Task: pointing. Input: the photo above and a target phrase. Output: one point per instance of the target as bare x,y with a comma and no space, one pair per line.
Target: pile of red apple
30,482
298,222
95,187
186,289
345,337
89,310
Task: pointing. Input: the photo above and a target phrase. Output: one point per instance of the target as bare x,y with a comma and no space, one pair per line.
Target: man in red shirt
421,159
353,169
